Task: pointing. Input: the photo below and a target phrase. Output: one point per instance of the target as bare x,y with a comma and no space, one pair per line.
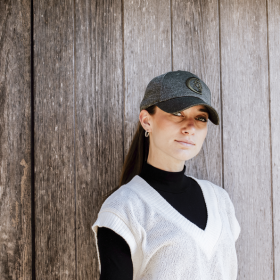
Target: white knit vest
164,245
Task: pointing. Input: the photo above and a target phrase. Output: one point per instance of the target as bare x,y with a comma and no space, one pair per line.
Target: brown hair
136,156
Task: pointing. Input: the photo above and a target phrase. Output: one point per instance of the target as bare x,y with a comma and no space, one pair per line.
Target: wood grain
274,74
54,140
15,141
147,54
195,32
246,131
93,61
99,118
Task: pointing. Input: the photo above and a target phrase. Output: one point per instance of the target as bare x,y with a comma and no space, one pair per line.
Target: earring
146,133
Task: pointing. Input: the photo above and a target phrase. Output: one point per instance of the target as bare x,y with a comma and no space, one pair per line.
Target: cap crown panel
174,85
152,93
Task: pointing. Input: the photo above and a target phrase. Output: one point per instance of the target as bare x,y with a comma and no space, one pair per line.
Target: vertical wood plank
15,141
195,32
54,136
274,74
99,118
147,53
246,131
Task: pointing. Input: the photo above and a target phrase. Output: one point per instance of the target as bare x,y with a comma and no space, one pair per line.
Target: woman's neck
163,162
166,180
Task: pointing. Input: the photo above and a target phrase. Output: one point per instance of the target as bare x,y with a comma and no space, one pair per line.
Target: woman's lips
185,144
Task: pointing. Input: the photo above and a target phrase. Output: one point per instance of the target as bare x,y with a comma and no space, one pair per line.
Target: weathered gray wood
54,140
195,32
246,131
15,141
85,118
274,74
99,121
147,53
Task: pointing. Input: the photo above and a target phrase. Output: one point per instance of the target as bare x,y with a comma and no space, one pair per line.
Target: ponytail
136,156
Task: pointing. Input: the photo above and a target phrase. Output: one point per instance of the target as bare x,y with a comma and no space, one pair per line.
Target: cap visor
179,104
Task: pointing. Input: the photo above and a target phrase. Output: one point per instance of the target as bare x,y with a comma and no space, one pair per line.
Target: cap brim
179,104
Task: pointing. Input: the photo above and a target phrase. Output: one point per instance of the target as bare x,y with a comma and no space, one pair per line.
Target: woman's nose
189,128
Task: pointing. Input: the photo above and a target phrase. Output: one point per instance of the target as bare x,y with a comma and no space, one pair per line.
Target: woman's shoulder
227,204
208,183
125,197
223,193
220,192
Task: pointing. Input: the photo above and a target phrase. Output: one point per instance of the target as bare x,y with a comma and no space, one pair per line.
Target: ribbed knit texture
166,245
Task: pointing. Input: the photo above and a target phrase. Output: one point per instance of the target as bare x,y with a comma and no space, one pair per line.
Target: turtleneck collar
164,180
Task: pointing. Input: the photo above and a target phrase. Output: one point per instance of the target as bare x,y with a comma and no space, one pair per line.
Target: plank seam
123,80
32,152
74,135
271,162
221,96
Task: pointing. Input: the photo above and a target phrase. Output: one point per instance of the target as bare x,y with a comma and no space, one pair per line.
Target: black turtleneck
181,191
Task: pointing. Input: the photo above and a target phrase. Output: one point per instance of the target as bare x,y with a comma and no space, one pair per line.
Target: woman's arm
115,257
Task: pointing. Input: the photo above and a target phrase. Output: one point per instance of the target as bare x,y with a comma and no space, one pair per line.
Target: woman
160,223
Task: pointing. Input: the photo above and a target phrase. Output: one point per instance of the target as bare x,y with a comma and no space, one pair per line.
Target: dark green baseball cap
176,91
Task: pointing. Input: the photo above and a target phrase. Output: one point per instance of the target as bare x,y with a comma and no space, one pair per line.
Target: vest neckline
206,238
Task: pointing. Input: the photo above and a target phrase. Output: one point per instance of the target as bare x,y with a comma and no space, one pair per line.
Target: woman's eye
202,119
177,114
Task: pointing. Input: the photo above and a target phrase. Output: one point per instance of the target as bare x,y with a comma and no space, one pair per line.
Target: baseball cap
176,91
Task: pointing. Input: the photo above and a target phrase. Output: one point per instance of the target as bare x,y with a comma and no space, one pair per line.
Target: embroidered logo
194,85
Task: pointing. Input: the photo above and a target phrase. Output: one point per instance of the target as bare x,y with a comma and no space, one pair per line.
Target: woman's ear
145,119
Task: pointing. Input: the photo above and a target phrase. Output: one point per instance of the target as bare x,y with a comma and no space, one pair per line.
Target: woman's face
168,133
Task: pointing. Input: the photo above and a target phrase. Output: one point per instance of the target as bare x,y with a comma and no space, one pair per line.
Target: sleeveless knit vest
166,245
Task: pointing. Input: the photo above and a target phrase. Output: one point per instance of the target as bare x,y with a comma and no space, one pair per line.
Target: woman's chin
185,155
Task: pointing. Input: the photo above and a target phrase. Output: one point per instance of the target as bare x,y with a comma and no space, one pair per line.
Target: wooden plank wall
98,117
55,234
246,131
92,62
15,141
273,11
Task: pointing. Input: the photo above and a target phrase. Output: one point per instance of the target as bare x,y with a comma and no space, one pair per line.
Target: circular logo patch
194,85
